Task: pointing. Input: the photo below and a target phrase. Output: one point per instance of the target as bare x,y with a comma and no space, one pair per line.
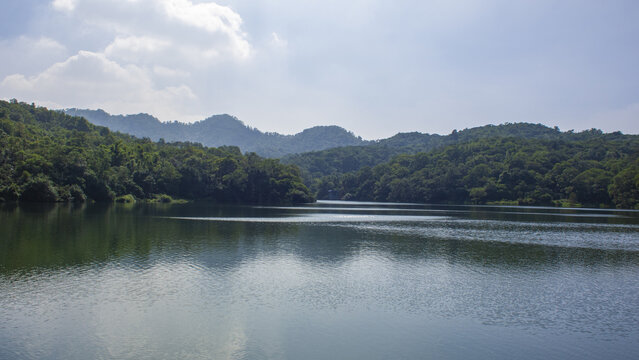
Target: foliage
595,170
39,189
125,199
75,193
50,156
317,164
624,187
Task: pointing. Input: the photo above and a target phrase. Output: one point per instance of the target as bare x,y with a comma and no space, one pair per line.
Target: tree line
317,164
50,156
592,169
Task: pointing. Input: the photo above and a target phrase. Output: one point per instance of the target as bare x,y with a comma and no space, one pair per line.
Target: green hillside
337,161
590,169
49,156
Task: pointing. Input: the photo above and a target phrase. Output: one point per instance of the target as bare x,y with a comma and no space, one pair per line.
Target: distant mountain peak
224,129
223,117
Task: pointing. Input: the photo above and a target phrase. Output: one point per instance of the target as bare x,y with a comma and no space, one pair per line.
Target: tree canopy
50,156
317,164
594,170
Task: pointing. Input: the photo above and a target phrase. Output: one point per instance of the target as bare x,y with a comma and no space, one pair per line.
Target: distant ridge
224,129
340,160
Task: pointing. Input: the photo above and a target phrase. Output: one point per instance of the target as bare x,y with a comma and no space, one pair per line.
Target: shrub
125,199
71,193
98,190
77,195
10,192
39,189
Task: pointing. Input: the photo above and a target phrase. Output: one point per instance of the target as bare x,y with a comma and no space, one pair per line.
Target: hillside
219,130
595,170
52,156
317,164
48,156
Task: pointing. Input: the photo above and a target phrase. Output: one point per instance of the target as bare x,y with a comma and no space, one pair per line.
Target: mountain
221,130
317,164
51,156
48,156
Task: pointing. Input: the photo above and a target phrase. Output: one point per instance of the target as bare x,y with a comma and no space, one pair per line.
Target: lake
332,280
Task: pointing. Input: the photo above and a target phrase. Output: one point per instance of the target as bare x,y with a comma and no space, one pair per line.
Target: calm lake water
332,280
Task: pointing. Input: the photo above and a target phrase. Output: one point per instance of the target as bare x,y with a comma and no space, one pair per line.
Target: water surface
329,280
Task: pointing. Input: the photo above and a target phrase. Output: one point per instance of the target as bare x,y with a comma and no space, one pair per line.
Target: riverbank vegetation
595,169
47,156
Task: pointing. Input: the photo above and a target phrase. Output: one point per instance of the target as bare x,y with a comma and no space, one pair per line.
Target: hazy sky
374,67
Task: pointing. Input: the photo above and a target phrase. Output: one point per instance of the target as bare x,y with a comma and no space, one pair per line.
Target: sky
373,67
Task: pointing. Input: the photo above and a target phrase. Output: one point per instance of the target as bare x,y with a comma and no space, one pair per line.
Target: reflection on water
331,280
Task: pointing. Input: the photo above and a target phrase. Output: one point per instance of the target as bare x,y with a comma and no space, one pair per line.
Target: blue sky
373,67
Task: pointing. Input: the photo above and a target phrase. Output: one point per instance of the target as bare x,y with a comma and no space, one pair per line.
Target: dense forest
589,168
341,160
50,156
219,130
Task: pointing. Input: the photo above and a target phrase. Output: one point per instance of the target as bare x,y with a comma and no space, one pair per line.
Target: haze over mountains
224,129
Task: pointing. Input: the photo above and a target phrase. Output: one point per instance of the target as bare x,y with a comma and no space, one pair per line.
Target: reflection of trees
495,254
59,235
52,235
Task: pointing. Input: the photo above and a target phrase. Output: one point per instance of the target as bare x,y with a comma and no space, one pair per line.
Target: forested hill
50,156
594,170
317,164
221,130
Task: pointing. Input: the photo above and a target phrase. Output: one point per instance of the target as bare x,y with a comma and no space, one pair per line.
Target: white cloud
29,54
203,29
64,5
24,44
91,80
136,49
213,18
45,43
135,44
166,72
150,48
286,65
277,41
